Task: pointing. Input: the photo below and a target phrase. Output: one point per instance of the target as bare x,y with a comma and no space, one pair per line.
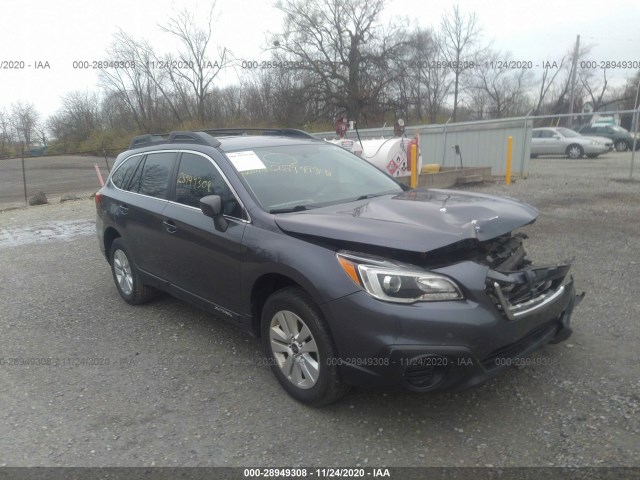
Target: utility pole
574,68
636,116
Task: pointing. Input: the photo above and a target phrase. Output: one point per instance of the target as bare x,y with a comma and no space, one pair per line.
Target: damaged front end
517,287
535,302
520,290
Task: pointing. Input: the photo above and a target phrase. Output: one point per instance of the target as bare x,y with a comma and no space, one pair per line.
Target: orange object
99,175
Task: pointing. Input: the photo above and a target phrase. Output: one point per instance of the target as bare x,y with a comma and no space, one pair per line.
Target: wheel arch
110,234
262,289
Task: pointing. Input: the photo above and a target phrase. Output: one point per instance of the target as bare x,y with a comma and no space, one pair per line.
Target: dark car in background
621,138
349,277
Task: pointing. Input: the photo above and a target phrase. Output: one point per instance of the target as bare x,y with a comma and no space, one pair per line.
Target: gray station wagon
347,276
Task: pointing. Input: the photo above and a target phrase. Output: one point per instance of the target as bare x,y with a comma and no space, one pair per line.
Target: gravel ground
181,388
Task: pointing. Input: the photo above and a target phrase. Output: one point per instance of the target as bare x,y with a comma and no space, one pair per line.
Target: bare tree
342,44
195,66
431,78
461,34
550,73
505,89
559,101
24,118
131,78
40,131
81,111
593,88
6,131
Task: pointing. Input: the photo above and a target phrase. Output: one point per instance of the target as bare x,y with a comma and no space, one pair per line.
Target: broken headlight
393,282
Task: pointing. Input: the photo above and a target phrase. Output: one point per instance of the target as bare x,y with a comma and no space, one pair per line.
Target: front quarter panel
313,267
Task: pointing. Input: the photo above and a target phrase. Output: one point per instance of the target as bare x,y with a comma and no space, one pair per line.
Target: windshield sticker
244,161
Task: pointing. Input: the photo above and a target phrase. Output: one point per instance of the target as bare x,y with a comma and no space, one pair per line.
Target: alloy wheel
122,270
294,349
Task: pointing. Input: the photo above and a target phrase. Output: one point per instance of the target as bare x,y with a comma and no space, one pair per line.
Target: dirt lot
166,384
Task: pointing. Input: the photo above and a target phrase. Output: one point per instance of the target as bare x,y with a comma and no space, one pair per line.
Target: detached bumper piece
523,293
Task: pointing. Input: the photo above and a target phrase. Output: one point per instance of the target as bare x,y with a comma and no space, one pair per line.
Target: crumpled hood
416,221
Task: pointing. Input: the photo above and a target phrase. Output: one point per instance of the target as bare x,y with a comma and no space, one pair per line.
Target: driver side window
197,178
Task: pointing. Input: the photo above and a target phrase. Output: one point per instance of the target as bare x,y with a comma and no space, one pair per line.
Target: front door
200,259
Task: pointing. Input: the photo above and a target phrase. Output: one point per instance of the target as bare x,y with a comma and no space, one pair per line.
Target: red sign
392,167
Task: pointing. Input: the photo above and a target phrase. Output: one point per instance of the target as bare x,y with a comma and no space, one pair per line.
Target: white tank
388,154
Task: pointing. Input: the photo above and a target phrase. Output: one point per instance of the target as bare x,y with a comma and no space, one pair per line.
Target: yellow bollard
507,175
413,154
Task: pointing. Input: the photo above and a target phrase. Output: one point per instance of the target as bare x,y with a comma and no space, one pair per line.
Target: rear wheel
126,276
300,349
575,151
621,146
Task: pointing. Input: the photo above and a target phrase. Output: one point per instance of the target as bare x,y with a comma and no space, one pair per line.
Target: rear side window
122,176
197,178
152,178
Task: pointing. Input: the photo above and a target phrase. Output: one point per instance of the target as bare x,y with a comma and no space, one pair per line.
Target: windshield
296,177
566,132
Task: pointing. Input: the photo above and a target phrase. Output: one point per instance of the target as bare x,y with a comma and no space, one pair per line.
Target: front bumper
596,149
443,345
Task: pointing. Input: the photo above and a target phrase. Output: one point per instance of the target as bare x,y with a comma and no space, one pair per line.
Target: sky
54,35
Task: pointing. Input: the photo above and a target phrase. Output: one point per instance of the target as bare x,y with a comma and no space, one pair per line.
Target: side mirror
211,206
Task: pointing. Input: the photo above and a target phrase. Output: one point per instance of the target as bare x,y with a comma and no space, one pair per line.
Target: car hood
417,221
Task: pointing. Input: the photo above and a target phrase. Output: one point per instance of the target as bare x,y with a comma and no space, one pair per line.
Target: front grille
516,293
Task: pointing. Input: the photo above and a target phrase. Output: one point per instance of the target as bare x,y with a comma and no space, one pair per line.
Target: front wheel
575,151
299,347
621,146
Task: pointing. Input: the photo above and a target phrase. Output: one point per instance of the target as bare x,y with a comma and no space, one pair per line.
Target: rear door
139,213
200,259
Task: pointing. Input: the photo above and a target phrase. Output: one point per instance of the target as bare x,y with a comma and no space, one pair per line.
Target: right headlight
398,283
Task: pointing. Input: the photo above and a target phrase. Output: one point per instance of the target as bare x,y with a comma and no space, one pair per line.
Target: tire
299,348
126,276
575,151
621,146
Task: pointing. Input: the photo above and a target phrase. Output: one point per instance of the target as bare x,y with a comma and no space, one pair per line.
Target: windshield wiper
368,195
297,208
373,195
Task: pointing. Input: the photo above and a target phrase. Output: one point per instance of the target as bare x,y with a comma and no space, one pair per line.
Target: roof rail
285,132
147,139
200,138
207,137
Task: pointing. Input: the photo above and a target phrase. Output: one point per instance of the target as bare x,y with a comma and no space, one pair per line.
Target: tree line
330,57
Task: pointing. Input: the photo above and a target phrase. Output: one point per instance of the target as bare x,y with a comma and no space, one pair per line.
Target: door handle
123,209
169,226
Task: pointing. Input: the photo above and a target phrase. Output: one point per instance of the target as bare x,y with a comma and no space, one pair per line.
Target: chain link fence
35,178
483,143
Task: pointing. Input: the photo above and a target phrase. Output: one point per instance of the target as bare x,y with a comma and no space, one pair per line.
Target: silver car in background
564,141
